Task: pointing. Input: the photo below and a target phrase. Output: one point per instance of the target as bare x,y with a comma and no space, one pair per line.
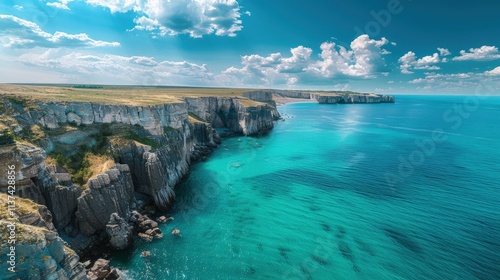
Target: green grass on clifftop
124,95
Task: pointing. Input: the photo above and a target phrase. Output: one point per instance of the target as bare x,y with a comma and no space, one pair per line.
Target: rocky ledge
39,251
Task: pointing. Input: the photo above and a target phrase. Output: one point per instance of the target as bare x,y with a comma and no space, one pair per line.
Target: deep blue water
342,192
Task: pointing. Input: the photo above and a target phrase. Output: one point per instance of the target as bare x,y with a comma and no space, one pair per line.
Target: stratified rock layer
108,193
39,251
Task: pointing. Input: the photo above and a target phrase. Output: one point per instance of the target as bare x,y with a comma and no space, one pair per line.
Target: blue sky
389,46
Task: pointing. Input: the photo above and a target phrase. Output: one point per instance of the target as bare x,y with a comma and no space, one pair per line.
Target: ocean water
388,191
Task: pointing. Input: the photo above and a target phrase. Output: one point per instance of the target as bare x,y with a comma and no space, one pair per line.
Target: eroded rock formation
108,193
120,233
39,251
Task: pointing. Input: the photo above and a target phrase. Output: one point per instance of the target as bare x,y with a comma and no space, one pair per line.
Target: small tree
6,137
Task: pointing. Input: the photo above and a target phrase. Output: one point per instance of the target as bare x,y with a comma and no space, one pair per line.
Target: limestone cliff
29,160
108,193
243,116
327,97
39,251
353,98
153,117
176,134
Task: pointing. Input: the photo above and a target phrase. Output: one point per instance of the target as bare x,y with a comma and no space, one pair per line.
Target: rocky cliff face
292,94
40,252
154,171
60,193
238,115
336,98
29,160
353,98
46,185
108,193
153,118
265,96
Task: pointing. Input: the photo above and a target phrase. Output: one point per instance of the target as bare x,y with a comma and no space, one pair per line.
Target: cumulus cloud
18,7
364,59
119,69
468,82
433,82
440,78
444,52
410,62
194,17
483,53
62,4
20,33
494,72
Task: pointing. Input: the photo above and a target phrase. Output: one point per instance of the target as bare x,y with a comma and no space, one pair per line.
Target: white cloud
20,33
194,17
18,7
363,60
417,81
84,67
62,4
468,82
443,52
272,69
483,53
494,72
409,62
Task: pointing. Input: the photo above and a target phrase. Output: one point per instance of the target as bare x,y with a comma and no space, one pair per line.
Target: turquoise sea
342,192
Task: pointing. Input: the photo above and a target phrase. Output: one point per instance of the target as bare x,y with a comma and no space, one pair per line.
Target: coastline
189,128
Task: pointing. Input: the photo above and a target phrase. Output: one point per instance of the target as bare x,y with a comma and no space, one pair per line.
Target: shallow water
321,197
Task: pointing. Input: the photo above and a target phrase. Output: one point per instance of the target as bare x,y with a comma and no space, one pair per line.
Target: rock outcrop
39,251
146,228
44,184
153,117
28,160
353,98
242,116
265,96
292,94
119,232
101,270
108,193
327,97
60,194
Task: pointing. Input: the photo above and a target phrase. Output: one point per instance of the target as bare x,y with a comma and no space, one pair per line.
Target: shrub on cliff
6,138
